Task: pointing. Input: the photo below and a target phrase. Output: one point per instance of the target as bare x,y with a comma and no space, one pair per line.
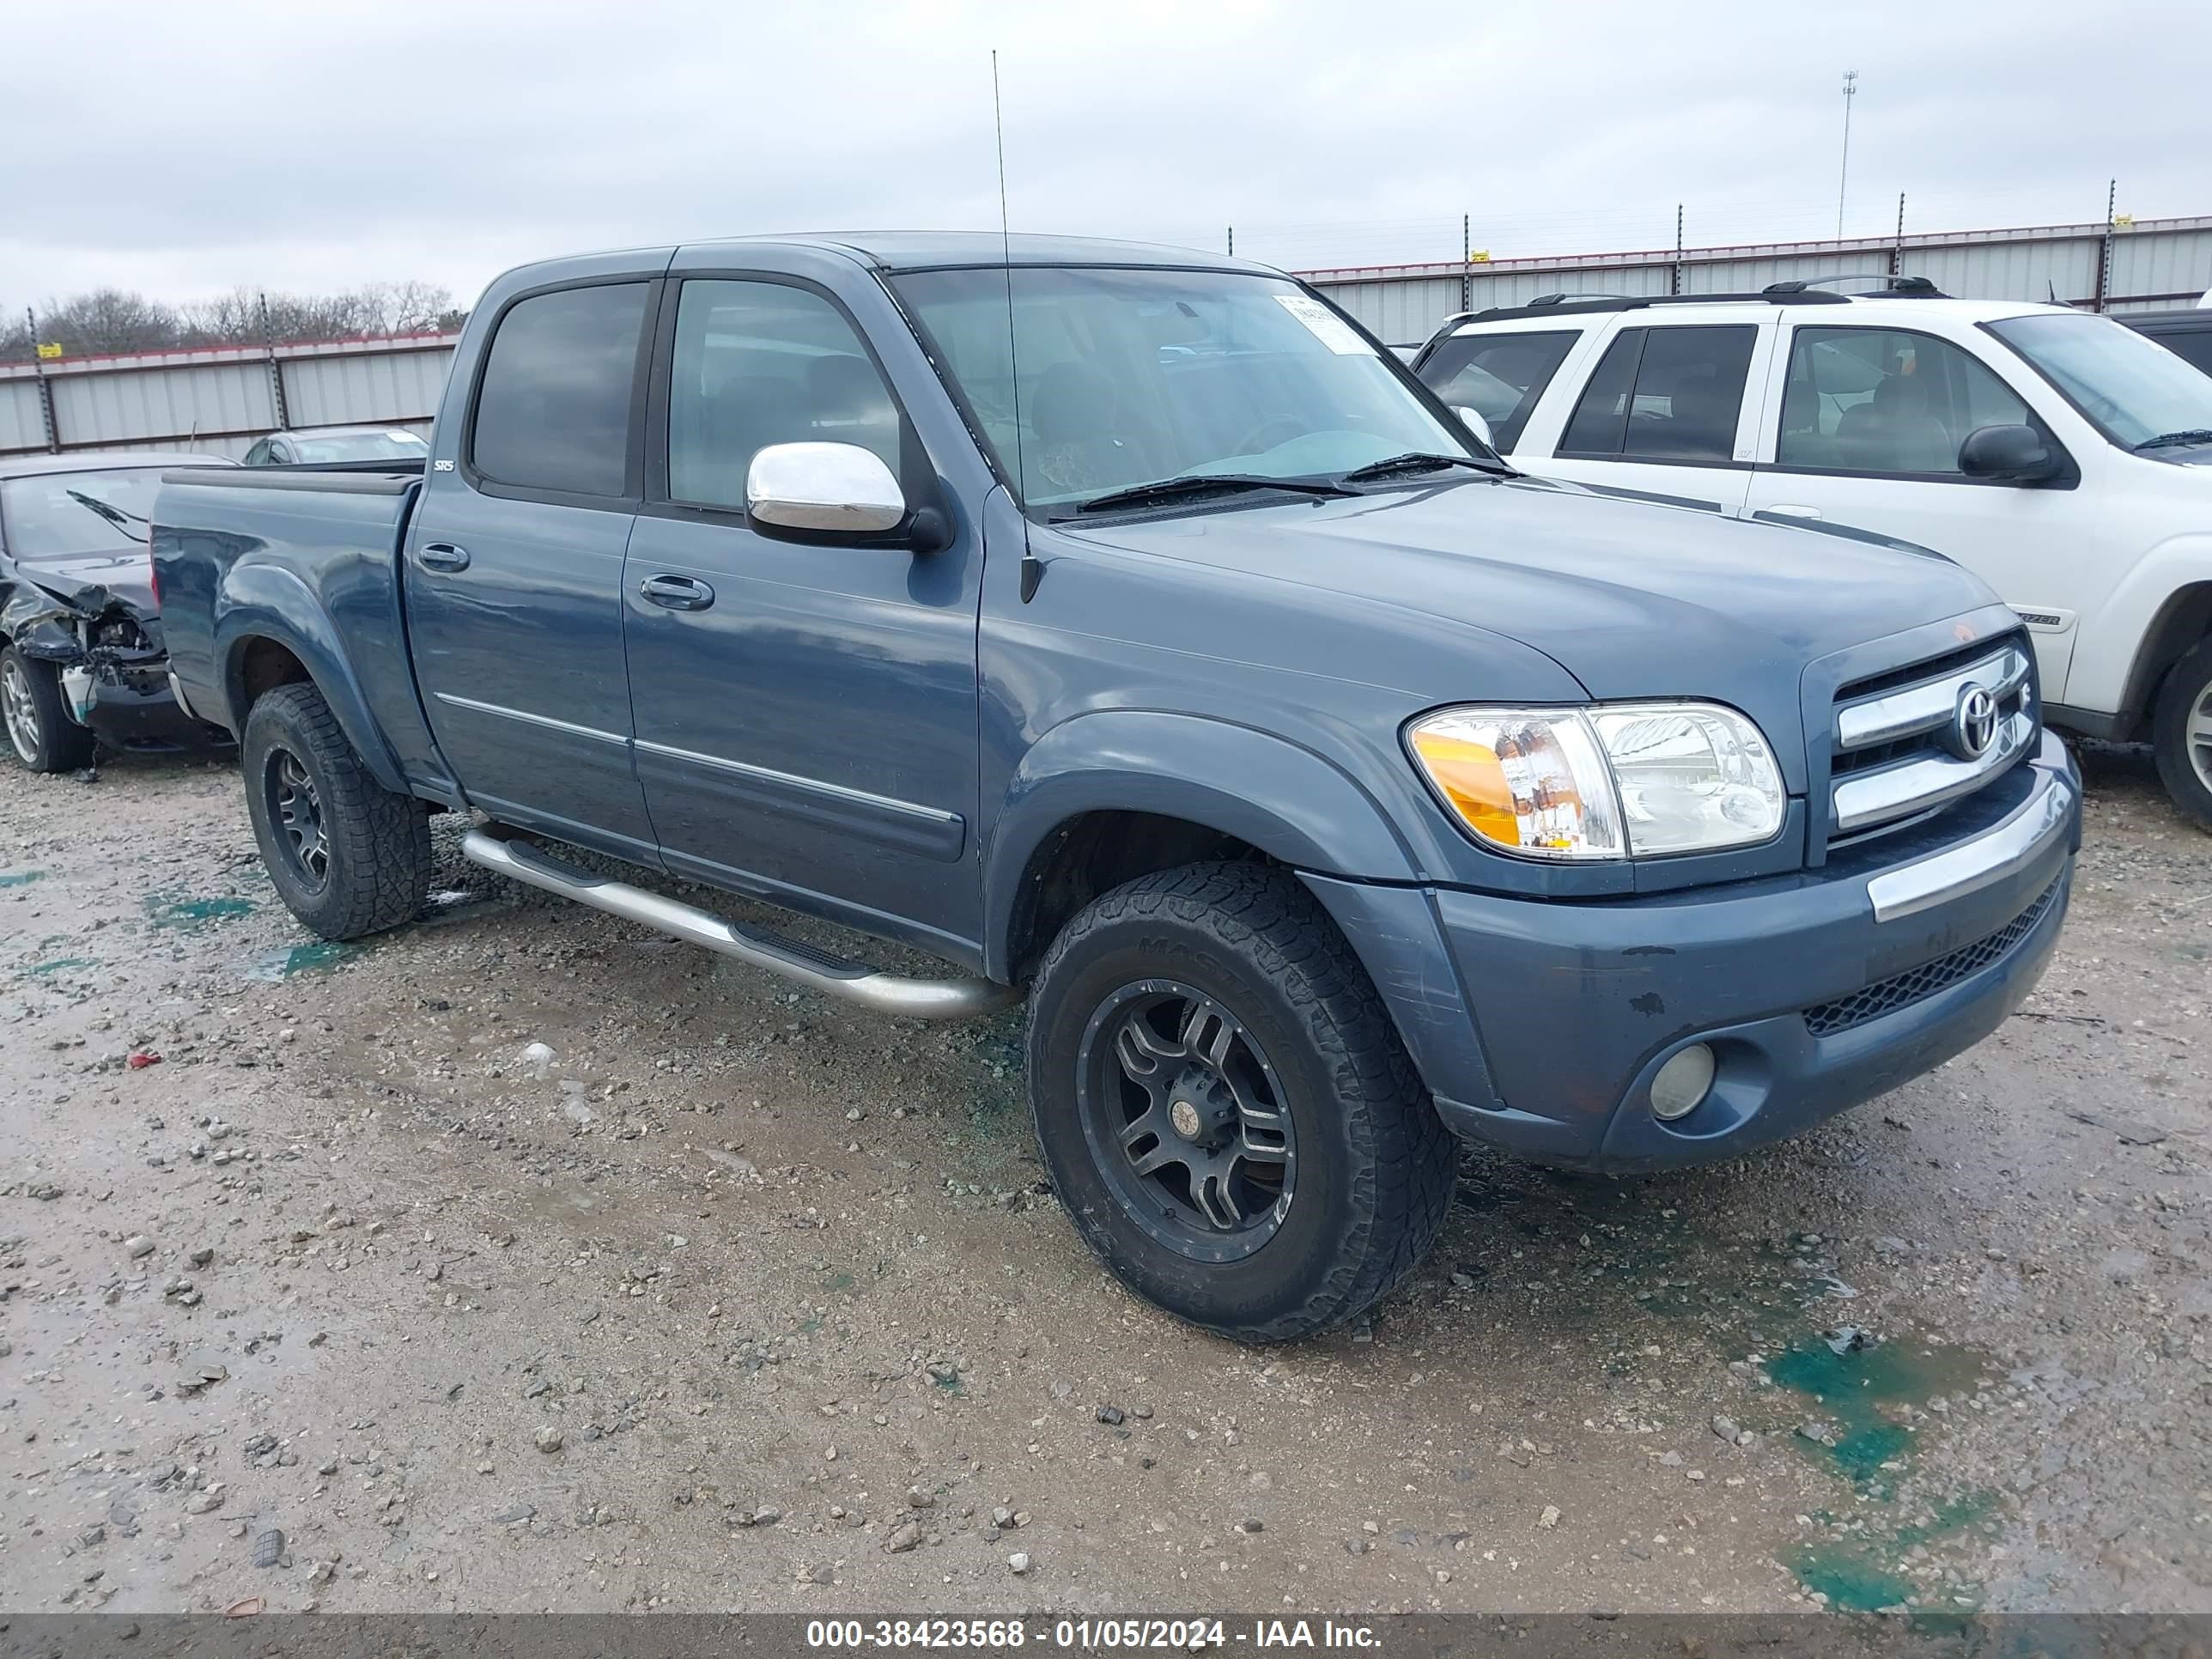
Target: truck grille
1902,990
1908,741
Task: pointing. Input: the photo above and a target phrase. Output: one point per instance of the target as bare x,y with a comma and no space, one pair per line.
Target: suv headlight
1612,781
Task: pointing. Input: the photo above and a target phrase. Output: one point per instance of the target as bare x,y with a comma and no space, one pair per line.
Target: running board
855,981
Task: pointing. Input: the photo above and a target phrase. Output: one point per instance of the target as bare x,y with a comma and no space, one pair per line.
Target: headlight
1612,781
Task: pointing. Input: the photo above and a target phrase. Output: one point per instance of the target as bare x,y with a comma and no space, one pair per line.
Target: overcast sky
183,149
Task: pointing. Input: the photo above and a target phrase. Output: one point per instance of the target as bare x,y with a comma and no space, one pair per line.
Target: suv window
1669,394
762,364
553,411
1885,400
1499,376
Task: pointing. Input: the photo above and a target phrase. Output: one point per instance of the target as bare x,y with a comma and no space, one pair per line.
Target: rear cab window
557,401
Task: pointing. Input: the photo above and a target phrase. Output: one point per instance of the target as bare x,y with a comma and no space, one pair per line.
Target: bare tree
115,320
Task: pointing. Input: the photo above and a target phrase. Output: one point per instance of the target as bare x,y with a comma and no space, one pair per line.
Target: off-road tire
59,745
1375,1166
2187,690
378,842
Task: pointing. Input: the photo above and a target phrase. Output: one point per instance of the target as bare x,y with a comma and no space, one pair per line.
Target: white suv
2062,457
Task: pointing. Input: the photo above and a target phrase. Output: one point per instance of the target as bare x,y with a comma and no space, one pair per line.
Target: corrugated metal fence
2129,265
219,399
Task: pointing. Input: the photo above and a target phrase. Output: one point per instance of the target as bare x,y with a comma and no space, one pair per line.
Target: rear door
1668,408
514,561
805,708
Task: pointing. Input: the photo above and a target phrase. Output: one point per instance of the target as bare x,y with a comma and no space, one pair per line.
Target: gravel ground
320,1284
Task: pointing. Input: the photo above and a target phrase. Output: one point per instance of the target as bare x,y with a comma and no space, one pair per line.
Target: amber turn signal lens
1473,781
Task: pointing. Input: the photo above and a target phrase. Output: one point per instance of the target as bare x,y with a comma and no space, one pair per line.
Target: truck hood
1634,600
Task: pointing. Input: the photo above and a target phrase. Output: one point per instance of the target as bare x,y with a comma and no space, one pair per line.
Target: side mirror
824,487
2013,454
1472,420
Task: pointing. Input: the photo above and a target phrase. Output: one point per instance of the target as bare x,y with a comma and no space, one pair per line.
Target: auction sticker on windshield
1331,330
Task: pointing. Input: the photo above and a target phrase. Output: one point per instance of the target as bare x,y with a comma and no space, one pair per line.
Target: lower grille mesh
1902,990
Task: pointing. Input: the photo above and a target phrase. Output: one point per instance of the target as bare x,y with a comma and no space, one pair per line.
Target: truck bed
312,546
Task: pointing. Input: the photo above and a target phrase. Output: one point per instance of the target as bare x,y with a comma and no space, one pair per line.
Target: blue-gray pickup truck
1123,627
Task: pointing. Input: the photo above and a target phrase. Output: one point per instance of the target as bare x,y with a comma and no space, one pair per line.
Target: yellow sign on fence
48,350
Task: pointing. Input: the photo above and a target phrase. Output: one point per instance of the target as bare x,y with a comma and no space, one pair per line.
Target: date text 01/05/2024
1090,1634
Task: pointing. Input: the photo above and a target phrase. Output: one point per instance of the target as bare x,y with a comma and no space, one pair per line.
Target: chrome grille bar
1862,798
1929,706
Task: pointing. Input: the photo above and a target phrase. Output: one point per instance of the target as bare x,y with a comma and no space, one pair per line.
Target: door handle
441,555
1790,510
676,593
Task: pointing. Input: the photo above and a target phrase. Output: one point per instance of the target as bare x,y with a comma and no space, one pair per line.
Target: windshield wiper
1416,460
2168,440
120,518
1192,484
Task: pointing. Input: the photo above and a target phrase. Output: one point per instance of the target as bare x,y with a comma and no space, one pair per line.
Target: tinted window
554,409
1885,400
762,364
1665,394
1499,376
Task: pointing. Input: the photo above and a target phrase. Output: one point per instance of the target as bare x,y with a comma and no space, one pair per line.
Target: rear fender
268,602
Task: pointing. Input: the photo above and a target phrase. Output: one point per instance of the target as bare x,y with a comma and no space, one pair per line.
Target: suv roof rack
1562,305
1915,288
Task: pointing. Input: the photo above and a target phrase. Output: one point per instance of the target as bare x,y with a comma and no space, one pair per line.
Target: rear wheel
40,733
1227,1112
2181,733
346,856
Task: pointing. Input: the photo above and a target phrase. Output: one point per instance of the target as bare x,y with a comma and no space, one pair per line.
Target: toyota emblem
1974,723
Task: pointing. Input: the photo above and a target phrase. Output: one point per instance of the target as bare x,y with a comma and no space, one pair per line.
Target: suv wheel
1224,1106
39,730
346,855
2181,733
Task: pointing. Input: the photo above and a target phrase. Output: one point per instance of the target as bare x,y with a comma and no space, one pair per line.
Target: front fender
1291,803
268,602
2109,672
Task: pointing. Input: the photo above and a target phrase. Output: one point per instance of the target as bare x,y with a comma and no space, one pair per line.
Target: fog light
1682,1083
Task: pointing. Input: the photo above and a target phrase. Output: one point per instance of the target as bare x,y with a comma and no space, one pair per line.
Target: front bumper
1537,1026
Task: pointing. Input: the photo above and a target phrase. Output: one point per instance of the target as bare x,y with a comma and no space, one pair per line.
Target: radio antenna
1032,567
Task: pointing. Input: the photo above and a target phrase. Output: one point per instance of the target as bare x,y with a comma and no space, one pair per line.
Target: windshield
1128,377
378,445
41,521
2132,388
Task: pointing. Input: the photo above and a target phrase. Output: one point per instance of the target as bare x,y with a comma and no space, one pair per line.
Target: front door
513,570
805,711
1864,432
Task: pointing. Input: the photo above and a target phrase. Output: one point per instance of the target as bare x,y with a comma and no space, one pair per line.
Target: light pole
1851,91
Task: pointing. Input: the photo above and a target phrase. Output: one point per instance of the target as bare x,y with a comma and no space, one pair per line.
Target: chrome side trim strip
529,719
1869,798
2003,851
955,997
1924,707
808,786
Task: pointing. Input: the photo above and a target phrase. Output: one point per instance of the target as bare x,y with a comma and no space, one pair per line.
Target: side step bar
889,993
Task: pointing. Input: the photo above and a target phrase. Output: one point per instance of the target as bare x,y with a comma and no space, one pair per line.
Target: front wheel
2181,733
346,856
1228,1114
39,729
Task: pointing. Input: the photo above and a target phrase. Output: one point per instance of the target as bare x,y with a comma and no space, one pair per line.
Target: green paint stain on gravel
21,877
60,965
273,967
172,910
1858,1392
1851,1580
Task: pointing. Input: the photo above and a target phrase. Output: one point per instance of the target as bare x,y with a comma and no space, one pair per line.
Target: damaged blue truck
1123,629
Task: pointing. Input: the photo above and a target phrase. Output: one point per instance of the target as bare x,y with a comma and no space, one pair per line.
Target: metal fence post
276,368
1896,248
45,392
1466,262
1674,278
2105,253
